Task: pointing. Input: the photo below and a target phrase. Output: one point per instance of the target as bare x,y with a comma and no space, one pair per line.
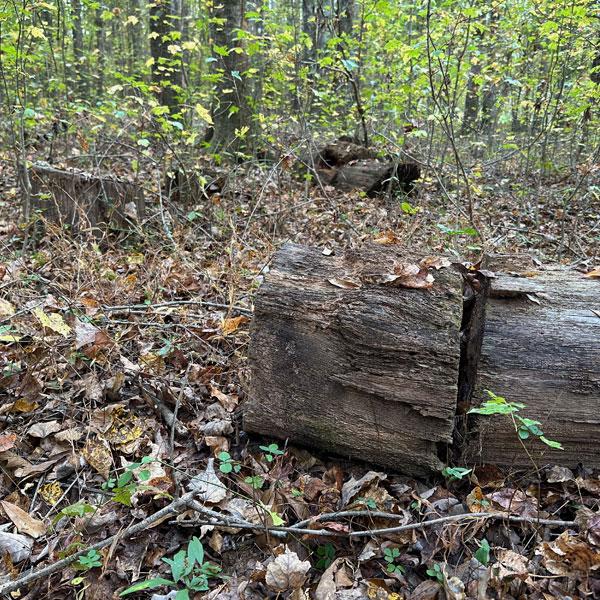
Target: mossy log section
82,200
541,347
366,370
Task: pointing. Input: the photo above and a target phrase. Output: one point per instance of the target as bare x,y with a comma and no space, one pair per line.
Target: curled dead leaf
286,572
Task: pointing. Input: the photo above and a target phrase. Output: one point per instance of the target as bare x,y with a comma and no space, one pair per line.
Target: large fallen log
81,200
348,166
541,347
344,359
364,355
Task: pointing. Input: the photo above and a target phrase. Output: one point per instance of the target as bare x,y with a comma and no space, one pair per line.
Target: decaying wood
81,200
343,362
541,347
349,166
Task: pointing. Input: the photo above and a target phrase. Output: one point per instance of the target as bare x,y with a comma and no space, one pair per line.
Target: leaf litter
123,371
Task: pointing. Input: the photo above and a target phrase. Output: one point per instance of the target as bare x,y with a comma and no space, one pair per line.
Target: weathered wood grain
368,372
541,347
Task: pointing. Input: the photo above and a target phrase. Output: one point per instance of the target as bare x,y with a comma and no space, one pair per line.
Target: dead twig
35,574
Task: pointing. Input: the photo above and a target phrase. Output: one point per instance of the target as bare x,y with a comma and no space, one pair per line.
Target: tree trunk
82,201
541,347
347,363
78,50
164,71
101,47
232,116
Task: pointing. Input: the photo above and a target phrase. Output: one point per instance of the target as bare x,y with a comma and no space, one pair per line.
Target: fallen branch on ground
34,574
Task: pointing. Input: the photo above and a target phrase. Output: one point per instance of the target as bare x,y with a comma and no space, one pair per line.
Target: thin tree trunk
78,50
232,115
164,72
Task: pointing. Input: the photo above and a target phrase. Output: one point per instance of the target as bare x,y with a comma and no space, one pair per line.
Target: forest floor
124,372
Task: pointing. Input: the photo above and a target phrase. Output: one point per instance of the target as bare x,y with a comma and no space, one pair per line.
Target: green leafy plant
483,552
91,560
227,464
79,509
390,555
326,555
455,473
271,451
256,481
189,572
124,486
524,427
437,573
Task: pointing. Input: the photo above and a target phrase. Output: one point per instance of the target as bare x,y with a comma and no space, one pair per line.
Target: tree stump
345,359
541,347
81,200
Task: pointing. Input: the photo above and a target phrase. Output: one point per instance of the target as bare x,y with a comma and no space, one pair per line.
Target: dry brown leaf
7,441
229,403
569,556
209,486
510,565
44,429
85,334
23,521
345,284
18,546
387,238
286,572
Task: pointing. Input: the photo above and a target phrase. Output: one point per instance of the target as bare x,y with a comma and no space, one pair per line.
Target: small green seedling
189,573
271,451
437,573
368,502
326,554
123,488
390,555
455,473
91,560
524,427
79,509
227,464
256,481
483,552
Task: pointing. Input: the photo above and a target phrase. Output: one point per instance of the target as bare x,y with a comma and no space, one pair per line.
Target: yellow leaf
52,321
132,20
37,33
51,493
97,453
23,406
594,274
204,114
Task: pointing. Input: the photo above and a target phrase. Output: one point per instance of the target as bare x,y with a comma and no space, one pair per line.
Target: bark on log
368,371
82,200
349,166
541,347
341,361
